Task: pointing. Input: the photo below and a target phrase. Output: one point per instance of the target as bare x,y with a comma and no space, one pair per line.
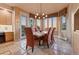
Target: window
45,23
38,22
22,26
50,22
63,23
54,22
31,22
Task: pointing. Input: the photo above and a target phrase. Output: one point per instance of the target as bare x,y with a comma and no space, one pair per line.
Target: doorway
22,27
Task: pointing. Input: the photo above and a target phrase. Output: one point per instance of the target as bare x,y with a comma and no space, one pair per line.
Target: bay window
63,23
31,22
44,23
54,22
38,23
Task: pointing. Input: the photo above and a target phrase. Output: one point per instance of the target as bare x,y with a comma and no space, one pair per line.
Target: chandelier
40,15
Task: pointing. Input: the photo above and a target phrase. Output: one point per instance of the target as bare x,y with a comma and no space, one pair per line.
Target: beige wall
17,15
70,23
58,24
76,42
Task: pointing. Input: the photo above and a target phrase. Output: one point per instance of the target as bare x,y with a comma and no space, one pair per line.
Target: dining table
40,35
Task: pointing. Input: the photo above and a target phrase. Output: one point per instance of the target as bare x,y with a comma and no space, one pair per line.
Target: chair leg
47,45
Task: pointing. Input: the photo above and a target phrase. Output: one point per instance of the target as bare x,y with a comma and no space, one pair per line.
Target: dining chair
45,38
52,36
49,30
29,38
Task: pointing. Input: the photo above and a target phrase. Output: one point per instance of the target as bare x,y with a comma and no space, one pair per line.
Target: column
58,25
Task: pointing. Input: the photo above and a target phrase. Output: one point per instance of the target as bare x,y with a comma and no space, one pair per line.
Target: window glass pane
63,23
54,20
45,23
38,22
23,20
50,22
31,22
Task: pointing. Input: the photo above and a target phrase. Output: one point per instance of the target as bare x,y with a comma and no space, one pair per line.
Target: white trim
13,23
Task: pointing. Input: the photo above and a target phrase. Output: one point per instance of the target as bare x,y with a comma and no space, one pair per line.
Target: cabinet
5,18
9,36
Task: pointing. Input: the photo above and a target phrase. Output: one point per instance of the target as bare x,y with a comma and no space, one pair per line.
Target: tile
60,47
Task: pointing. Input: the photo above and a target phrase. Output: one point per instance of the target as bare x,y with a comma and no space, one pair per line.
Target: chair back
52,35
53,32
29,37
49,30
49,35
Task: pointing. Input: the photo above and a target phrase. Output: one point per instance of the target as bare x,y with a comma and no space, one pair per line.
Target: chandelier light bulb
39,17
46,16
37,14
43,14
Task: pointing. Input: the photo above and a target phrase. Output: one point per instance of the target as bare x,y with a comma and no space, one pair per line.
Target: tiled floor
60,47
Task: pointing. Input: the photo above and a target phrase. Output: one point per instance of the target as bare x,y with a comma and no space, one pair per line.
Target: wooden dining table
39,35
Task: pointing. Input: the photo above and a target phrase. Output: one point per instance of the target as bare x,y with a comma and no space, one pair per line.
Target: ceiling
34,8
